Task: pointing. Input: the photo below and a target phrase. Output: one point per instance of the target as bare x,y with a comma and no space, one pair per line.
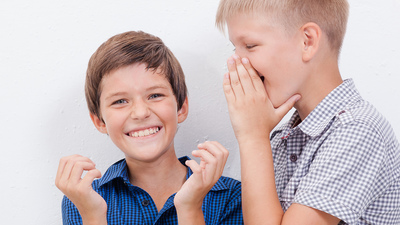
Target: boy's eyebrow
157,87
115,94
240,38
120,93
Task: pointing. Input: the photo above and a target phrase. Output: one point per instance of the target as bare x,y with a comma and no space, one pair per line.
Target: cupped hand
251,111
213,157
90,204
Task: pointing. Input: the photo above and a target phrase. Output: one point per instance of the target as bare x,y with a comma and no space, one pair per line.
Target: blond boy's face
140,113
274,54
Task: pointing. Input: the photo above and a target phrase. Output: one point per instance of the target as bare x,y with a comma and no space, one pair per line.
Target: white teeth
144,133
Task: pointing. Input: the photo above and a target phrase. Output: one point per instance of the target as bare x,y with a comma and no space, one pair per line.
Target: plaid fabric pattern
128,204
343,159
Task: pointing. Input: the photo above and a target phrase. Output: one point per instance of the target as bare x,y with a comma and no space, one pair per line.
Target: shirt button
293,157
145,202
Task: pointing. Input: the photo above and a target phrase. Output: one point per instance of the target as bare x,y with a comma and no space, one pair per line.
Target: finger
61,165
208,164
256,80
215,148
205,156
88,179
60,170
244,76
234,77
219,152
288,105
194,166
65,171
228,91
77,170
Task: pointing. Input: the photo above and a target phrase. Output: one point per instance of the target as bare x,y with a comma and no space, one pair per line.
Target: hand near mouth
251,112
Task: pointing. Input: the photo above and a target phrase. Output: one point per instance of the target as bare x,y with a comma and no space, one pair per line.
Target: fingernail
231,61
245,61
235,56
226,76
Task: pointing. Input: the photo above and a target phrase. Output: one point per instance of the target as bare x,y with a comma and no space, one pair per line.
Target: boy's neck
158,171
160,178
323,80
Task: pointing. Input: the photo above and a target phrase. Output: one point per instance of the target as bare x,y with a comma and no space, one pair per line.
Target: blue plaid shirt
128,204
343,159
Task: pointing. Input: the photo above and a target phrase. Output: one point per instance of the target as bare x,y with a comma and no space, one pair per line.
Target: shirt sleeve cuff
327,205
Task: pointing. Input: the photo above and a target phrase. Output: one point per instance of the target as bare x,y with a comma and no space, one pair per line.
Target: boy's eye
121,101
155,96
250,46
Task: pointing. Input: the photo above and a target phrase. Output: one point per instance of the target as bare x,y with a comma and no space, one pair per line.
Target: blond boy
337,160
136,93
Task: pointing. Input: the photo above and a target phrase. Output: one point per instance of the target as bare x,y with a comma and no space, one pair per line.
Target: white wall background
44,50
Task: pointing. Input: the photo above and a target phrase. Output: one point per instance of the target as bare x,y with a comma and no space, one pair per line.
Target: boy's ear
311,34
99,124
183,112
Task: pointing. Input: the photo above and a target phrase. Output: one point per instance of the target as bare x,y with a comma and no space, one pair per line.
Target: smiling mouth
145,132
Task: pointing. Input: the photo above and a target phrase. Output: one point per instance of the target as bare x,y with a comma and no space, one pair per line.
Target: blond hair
330,15
126,49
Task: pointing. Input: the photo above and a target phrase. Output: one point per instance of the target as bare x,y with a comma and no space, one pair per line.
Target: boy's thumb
288,105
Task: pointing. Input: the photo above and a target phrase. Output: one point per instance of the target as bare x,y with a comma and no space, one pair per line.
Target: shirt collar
316,122
119,170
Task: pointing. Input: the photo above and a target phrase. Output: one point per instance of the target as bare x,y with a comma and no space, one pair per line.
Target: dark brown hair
126,49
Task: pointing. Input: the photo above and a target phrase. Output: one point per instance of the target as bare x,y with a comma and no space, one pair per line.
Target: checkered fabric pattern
343,159
128,204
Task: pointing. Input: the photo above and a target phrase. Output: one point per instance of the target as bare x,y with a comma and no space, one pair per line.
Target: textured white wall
44,50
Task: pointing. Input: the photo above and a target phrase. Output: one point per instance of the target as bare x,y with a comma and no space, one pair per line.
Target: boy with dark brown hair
136,93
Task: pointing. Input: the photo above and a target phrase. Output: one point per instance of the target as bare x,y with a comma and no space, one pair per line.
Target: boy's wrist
102,220
249,141
94,218
188,208
192,214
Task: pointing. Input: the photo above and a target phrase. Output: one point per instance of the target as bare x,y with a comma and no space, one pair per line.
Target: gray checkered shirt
343,159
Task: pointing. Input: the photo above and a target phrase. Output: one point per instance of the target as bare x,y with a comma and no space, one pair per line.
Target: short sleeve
346,173
70,214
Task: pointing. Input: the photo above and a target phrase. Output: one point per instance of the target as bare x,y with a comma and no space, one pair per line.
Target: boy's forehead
156,75
242,26
252,14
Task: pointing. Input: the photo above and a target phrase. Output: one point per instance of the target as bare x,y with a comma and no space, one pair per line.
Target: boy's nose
139,111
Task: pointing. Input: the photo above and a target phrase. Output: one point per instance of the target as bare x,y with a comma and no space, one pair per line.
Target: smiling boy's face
272,52
140,113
